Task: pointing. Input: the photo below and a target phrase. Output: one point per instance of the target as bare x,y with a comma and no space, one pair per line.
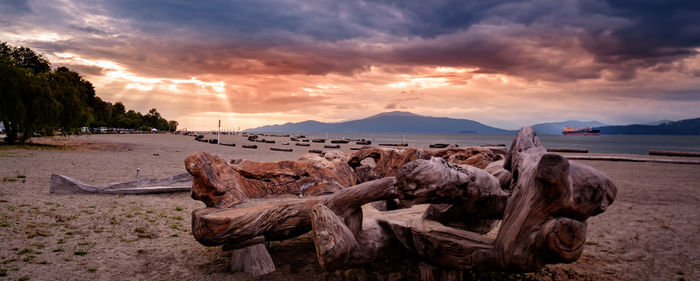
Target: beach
650,232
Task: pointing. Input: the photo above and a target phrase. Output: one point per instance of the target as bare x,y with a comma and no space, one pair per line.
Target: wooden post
253,259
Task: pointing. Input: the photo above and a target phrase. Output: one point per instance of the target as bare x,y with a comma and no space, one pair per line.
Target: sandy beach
651,232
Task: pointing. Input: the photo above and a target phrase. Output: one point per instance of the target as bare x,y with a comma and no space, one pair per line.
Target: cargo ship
586,131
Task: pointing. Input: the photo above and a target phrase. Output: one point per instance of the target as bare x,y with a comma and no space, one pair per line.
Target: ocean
626,144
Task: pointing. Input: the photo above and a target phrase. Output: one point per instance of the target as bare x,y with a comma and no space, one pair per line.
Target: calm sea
628,144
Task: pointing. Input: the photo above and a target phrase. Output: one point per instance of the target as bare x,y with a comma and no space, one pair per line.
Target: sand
651,232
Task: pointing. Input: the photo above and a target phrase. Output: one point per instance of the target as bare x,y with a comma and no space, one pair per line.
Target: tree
27,100
72,92
172,125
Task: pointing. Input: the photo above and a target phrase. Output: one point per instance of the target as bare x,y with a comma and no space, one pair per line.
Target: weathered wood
674,153
394,144
252,146
363,142
253,259
66,185
439,145
331,146
318,140
272,218
281,149
302,144
340,141
544,220
315,151
504,176
220,184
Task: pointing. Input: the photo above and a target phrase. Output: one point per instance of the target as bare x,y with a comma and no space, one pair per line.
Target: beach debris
363,142
281,149
439,145
227,144
252,146
66,185
213,141
331,146
631,159
318,140
567,150
302,144
315,151
285,143
394,144
269,141
340,141
428,203
544,219
305,140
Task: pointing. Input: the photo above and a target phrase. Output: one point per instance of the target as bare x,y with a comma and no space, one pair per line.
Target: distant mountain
682,127
388,122
654,123
555,128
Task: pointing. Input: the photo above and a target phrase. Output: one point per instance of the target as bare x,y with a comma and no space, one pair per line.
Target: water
625,144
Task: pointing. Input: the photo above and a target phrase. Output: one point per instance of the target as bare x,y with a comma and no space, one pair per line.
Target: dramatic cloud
506,63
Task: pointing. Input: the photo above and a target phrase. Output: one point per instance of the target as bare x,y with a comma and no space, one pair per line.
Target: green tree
73,93
27,100
172,125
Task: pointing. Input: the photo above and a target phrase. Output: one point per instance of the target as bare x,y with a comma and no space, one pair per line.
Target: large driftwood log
388,161
220,184
67,185
544,220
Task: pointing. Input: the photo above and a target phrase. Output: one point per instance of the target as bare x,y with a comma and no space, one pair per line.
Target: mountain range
406,122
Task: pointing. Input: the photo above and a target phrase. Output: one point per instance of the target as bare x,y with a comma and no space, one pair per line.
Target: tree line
37,100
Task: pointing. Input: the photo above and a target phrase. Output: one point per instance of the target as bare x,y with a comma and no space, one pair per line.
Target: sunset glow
253,63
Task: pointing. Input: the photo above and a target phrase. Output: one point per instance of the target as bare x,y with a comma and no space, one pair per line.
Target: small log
567,150
66,185
674,153
228,144
394,144
331,146
315,151
302,144
269,141
318,140
213,141
251,146
355,148
439,145
281,149
253,259
305,140
493,145
340,141
363,142
285,143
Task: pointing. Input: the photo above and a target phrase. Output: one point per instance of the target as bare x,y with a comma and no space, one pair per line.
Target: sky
252,63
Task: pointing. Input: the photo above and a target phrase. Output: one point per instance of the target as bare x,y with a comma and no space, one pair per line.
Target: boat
586,131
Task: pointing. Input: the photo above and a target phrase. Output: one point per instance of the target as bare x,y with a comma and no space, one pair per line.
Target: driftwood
220,184
340,141
544,220
439,145
567,150
252,146
394,144
386,162
315,151
318,140
363,142
674,153
302,144
331,146
228,144
66,185
281,149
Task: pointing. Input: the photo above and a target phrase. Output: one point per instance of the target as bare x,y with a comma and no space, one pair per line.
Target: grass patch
178,208
80,253
67,259
24,278
92,269
4,224
58,250
6,261
179,218
3,272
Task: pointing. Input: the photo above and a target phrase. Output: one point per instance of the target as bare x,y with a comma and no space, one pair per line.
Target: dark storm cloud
538,39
